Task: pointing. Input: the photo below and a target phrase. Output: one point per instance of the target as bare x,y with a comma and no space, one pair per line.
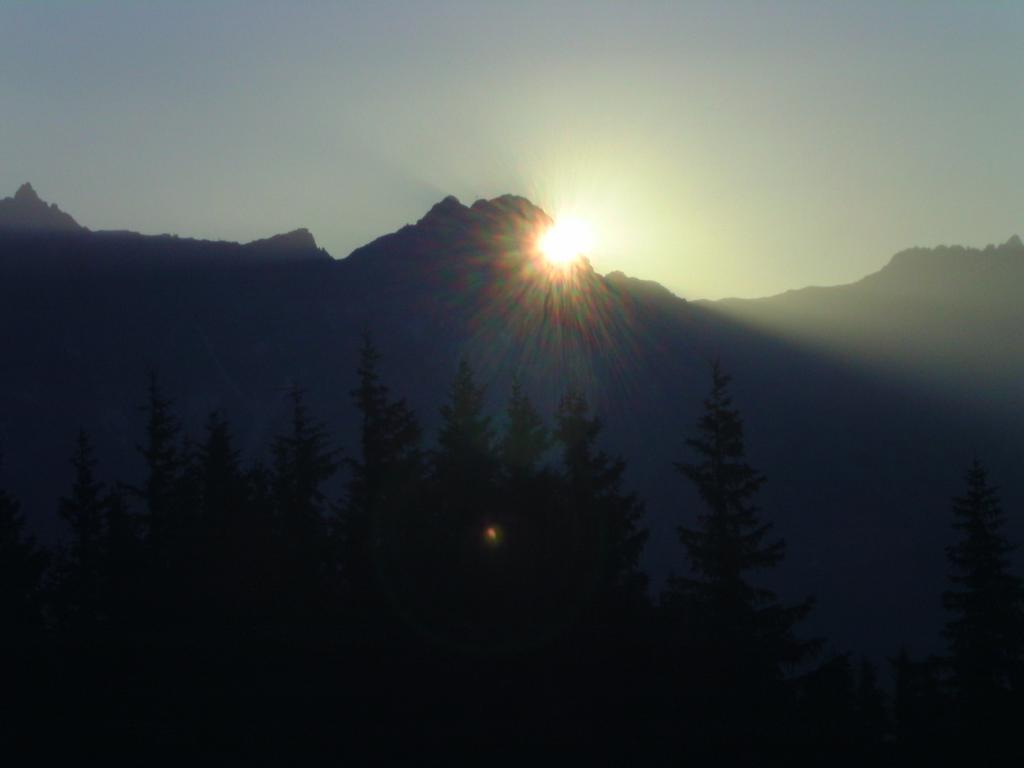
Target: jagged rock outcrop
26,212
298,243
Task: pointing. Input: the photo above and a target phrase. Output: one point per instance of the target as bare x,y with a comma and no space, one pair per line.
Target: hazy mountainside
860,464
946,318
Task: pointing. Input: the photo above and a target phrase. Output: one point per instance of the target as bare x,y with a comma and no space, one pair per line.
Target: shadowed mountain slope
860,463
946,319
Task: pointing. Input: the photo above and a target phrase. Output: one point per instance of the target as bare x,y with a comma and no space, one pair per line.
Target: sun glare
566,241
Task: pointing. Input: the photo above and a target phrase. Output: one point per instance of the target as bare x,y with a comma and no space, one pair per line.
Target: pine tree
170,516
221,486
905,704
303,462
460,515
525,440
373,524
464,468
985,631
872,717
81,571
605,521
124,559
261,555
743,630
827,706
163,464
465,458
524,555
22,565
527,489
917,709
222,526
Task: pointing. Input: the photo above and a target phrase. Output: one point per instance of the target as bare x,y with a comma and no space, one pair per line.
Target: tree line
488,585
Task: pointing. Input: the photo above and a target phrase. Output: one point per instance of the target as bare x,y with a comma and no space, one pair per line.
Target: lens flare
492,535
566,240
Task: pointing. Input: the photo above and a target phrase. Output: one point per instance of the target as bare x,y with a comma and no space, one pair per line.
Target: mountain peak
510,206
26,194
447,210
506,220
450,202
488,231
26,212
450,211
298,242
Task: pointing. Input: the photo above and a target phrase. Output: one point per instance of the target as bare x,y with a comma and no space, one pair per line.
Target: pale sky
723,149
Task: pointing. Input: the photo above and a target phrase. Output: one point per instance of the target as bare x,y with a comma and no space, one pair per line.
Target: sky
722,149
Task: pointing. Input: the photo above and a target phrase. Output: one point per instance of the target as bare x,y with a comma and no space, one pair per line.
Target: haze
717,150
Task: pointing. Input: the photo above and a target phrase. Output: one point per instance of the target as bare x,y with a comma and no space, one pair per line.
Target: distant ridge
26,212
935,261
297,242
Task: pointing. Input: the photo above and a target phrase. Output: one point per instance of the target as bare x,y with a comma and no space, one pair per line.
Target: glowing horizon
723,149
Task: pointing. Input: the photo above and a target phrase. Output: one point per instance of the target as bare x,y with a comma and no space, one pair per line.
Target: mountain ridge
26,214
915,261
500,220
860,463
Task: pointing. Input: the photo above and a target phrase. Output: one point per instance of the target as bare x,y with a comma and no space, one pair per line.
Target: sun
565,241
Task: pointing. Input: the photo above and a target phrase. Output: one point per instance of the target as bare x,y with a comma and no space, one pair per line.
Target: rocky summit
27,212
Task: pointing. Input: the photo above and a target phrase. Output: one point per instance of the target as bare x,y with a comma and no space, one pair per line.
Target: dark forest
481,594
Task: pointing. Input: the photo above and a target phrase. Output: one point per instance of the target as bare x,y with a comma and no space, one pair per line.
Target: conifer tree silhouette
373,525
525,517
463,482
525,439
22,565
169,519
985,630
303,462
527,486
605,519
27,694
224,529
221,483
744,635
163,465
918,716
872,716
123,563
261,551
80,572
465,459
827,698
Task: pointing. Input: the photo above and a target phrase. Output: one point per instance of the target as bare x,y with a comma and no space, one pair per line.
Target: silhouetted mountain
944,318
26,212
860,462
298,243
